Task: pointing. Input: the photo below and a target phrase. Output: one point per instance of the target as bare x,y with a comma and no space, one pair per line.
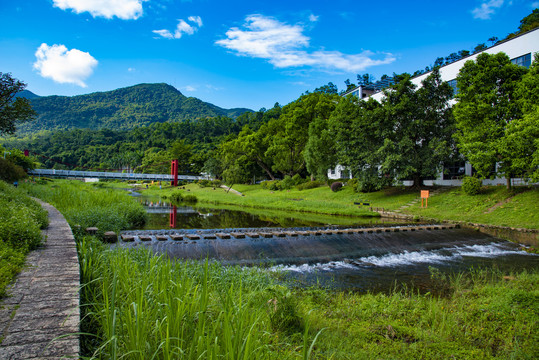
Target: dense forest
121,109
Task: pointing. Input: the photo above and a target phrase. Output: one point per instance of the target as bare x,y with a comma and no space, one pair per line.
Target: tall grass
21,219
84,205
142,306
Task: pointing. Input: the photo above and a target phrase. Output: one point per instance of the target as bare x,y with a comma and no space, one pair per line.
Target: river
369,262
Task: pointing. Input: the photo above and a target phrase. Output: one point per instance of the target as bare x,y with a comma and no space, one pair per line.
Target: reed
85,205
143,306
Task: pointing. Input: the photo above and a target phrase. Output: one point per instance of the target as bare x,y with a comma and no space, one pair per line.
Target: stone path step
40,320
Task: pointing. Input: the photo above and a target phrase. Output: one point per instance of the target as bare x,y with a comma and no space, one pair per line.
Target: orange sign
425,195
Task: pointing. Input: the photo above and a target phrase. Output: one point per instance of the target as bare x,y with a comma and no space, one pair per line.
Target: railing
111,175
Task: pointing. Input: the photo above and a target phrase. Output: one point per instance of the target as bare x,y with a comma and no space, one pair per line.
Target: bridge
113,175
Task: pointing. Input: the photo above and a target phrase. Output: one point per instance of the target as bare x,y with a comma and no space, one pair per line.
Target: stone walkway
40,320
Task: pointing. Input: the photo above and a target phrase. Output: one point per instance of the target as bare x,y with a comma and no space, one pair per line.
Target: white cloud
123,9
189,88
486,9
283,46
182,28
195,19
64,66
313,18
535,5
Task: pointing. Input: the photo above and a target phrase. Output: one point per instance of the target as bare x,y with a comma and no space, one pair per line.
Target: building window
454,170
524,60
453,84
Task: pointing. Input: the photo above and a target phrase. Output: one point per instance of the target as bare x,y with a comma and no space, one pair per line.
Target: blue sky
236,53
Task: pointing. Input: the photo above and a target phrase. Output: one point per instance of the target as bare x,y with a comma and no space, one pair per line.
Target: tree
320,149
330,88
365,79
487,104
522,135
463,53
13,110
493,40
357,135
530,22
479,48
406,136
288,135
416,128
181,151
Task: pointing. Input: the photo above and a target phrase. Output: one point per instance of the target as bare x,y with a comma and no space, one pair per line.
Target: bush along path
40,318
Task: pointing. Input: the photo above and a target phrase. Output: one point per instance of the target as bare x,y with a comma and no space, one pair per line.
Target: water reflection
163,214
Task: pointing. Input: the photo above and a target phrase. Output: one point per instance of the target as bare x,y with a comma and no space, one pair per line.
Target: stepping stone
266,235
278,234
176,237
238,235
327,232
145,238
210,236
110,237
161,238
192,237
223,235
304,233
253,235
91,230
128,238
291,233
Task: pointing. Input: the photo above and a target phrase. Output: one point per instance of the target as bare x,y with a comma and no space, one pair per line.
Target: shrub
311,185
176,197
11,263
352,183
208,183
336,186
471,185
10,172
287,183
370,181
190,199
21,218
297,179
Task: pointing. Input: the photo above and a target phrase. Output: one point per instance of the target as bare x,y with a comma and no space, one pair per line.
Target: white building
520,50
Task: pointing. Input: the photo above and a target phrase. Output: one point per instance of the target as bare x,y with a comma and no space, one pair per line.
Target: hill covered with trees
121,109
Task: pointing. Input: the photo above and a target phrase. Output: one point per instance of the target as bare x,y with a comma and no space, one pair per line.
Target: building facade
520,49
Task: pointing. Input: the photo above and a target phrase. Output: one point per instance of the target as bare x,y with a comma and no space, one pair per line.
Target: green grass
87,205
21,221
141,306
517,208
319,200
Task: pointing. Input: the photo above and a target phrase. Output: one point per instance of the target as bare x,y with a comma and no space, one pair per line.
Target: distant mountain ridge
120,109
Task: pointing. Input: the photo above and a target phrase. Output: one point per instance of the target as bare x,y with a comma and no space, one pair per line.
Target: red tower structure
174,172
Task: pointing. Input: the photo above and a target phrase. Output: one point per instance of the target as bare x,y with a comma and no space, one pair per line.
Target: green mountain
120,109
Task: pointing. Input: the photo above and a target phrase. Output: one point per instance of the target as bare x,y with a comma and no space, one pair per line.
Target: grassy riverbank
518,207
140,306
90,205
21,221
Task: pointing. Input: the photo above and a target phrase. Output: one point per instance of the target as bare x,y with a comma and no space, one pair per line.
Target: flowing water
369,261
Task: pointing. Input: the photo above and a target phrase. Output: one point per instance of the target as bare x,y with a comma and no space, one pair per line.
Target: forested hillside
121,109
